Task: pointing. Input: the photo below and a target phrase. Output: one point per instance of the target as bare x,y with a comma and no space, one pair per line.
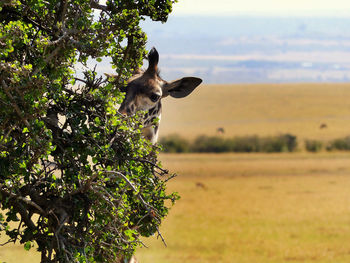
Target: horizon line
333,14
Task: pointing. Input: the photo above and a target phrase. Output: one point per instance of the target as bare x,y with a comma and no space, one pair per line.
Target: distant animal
220,130
201,185
323,126
146,89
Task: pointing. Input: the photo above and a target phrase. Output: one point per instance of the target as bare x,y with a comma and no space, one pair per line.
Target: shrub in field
291,141
77,177
210,144
341,144
313,145
175,144
218,144
244,144
282,143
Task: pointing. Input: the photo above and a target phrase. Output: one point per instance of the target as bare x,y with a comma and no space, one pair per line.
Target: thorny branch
25,200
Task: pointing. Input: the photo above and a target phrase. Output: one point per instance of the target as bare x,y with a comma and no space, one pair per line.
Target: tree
77,178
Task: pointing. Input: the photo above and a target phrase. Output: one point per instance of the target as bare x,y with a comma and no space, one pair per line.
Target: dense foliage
174,143
313,145
217,144
78,178
340,144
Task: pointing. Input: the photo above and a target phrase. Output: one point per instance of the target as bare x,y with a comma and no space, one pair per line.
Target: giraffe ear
181,88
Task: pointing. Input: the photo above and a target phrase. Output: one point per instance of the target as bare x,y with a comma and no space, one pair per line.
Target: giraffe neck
150,128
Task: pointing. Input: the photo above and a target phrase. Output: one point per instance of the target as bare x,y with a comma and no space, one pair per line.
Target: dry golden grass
262,109
257,208
16,254
243,208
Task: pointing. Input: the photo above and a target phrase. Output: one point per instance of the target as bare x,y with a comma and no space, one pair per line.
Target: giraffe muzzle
126,111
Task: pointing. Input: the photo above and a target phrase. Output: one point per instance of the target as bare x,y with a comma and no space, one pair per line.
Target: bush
313,145
291,142
282,143
175,144
342,144
215,144
210,144
244,144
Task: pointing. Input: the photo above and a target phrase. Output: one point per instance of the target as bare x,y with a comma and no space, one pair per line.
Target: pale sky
263,7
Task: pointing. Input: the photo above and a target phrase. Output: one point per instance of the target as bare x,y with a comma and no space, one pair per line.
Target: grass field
245,208
256,208
262,109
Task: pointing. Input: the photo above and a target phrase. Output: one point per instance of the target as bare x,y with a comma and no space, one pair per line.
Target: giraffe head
146,89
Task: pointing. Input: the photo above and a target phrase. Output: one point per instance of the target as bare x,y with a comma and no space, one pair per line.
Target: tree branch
21,198
94,4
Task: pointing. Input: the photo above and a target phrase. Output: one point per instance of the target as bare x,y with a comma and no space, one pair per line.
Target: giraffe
146,89
144,92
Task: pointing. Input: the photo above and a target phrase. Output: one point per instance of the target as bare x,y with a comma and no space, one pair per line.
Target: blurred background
261,148
255,41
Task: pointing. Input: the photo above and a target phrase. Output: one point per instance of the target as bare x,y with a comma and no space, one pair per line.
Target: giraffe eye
154,97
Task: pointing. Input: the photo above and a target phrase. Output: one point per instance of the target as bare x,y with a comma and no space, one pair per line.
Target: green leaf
27,245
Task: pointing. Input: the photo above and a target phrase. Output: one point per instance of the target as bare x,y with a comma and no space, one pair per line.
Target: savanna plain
244,208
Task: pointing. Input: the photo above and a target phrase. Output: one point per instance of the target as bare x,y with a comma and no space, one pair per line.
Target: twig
161,237
9,241
86,186
153,164
170,177
103,197
108,194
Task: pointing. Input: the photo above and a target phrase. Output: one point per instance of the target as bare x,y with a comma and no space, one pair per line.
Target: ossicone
153,58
